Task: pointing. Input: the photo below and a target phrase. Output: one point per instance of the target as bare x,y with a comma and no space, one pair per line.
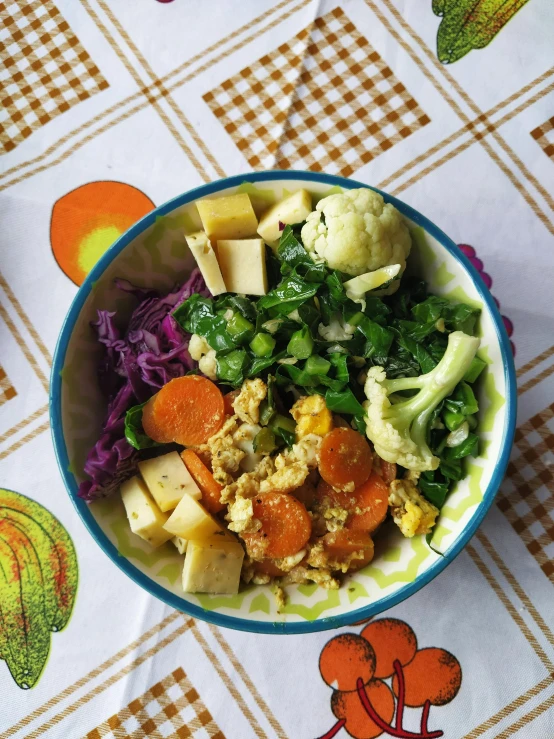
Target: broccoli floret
398,426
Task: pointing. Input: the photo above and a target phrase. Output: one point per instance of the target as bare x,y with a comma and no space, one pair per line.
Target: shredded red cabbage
153,351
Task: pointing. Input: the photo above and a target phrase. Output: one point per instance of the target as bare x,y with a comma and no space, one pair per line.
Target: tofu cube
229,217
242,263
213,566
168,480
294,209
180,544
145,518
206,259
191,521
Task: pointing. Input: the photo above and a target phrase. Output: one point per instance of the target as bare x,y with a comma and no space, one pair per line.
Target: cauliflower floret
411,512
389,444
337,330
358,233
312,416
398,426
247,403
201,352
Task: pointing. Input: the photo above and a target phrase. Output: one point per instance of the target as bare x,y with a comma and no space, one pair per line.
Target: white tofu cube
168,480
191,521
242,263
180,544
145,518
206,259
213,566
294,209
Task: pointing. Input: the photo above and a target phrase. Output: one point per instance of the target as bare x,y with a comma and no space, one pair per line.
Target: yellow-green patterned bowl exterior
153,253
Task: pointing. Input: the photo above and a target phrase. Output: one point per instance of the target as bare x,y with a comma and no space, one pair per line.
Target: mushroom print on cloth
379,673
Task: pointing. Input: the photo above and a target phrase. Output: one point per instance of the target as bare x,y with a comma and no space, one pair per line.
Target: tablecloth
110,107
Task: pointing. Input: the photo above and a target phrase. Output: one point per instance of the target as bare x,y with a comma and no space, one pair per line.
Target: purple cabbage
153,351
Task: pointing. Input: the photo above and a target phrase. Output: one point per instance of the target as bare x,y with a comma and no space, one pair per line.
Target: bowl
153,253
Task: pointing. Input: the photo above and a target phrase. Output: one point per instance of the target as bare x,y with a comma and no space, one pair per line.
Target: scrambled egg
243,438
322,559
312,416
240,515
411,512
301,575
247,402
225,455
292,466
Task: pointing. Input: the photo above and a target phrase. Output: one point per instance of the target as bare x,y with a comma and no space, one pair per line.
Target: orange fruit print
375,675
86,221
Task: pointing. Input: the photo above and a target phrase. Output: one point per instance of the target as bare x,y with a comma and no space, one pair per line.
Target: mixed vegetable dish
270,414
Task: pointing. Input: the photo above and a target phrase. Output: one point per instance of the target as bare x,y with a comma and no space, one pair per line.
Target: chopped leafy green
301,344
467,448
462,400
434,487
343,401
289,295
475,369
291,251
134,433
231,367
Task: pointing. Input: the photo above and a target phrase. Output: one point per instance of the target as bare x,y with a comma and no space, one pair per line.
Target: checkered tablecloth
110,107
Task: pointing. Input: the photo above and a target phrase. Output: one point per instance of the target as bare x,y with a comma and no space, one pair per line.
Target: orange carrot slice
306,494
367,505
373,500
341,544
187,410
388,471
286,526
209,487
345,459
267,567
228,400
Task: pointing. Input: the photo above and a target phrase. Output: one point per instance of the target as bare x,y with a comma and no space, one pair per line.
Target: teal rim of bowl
175,601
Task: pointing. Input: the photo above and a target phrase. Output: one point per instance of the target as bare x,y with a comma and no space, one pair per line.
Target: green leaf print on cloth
470,24
38,582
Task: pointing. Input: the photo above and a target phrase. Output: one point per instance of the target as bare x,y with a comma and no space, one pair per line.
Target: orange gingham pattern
544,136
44,70
171,708
527,495
325,100
7,391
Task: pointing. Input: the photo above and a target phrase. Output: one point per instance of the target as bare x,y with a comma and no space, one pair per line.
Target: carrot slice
267,567
210,489
341,545
228,400
388,471
372,498
187,410
345,459
286,526
305,494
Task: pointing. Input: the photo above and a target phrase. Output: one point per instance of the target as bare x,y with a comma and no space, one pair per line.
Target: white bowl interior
159,258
